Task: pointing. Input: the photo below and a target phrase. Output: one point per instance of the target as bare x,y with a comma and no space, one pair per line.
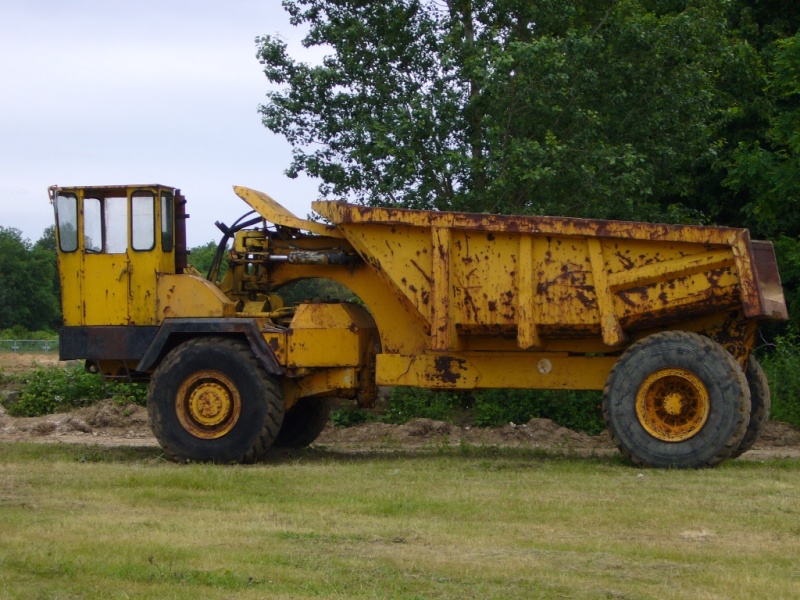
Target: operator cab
113,242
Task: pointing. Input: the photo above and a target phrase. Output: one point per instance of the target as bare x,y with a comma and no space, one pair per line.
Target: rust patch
422,271
447,368
490,237
507,300
583,298
627,263
412,288
623,295
715,275
492,306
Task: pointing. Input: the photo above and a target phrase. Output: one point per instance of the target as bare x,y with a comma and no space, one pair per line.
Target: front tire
676,399
211,401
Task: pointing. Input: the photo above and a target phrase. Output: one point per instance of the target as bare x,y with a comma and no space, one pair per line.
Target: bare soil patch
14,363
109,424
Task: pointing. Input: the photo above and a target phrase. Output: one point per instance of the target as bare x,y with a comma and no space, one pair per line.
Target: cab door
105,260
127,241
145,255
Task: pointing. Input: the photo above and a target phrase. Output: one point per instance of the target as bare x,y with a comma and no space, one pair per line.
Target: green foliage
581,411
202,257
782,367
409,403
768,170
28,282
315,290
347,416
50,390
579,108
18,332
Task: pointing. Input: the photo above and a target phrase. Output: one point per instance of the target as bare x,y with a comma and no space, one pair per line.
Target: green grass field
79,522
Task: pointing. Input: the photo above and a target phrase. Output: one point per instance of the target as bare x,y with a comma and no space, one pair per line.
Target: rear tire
676,399
210,400
760,404
303,423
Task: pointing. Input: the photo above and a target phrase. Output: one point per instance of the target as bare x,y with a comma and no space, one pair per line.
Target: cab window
105,225
143,220
167,207
67,222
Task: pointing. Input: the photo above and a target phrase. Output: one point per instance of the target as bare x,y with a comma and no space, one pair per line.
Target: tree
201,257
766,172
599,108
28,297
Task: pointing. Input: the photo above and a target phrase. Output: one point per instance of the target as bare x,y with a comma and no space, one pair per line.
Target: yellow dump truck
662,318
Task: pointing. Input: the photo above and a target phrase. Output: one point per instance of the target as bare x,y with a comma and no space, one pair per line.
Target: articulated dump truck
662,318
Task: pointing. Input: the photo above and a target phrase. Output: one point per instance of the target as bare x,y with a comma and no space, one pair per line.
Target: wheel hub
208,404
672,405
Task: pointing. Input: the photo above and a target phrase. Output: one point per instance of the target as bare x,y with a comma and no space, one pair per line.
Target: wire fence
29,346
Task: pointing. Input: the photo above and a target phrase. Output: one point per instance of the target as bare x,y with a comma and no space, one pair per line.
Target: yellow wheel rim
672,405
208,404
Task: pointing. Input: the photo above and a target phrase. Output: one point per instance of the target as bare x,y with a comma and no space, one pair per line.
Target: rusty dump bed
551,277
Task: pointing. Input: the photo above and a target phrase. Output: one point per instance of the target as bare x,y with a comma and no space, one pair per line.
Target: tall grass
782,367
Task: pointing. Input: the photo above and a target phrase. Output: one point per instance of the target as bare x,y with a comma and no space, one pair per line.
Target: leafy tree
768,170
201,257
28,297
765,172
585,108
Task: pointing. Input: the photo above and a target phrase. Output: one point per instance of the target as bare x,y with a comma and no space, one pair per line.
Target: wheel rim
208,404
672,405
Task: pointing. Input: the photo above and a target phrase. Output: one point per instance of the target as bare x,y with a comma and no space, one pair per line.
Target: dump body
540,278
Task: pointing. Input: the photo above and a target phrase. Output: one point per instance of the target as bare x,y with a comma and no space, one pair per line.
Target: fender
175,331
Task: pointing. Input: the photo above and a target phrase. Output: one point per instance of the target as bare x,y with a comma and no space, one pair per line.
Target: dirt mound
59,424
109,424
109,414
537,433
779,435
106,423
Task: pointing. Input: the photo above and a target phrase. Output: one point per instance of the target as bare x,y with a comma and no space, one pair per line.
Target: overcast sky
96,92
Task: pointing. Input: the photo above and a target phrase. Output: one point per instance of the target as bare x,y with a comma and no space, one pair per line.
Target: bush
410,403
581,411
18,332
578,410
347,417
49,390
782,367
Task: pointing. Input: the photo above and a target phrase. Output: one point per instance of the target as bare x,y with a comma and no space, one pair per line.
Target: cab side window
167,218
143,220
67,222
